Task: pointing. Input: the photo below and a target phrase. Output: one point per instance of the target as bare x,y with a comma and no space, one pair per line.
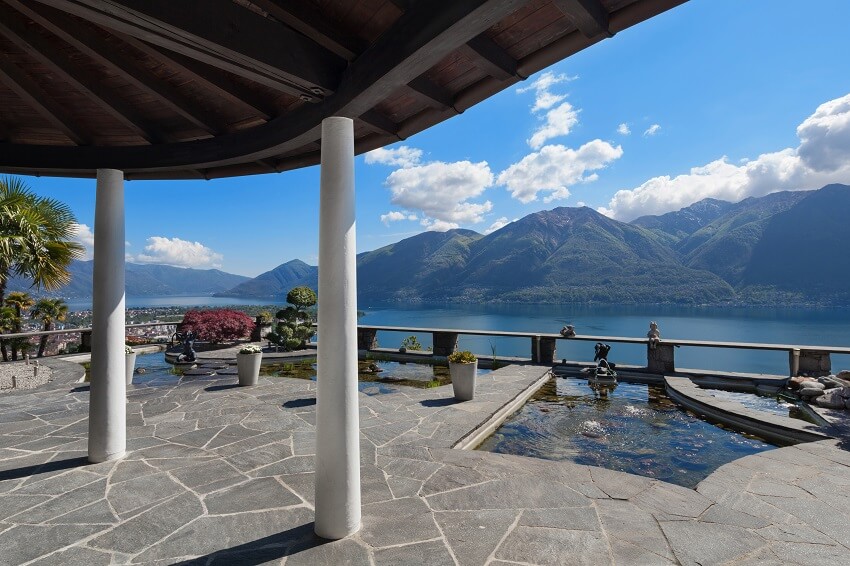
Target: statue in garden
569,331
601,350
188,340
654,335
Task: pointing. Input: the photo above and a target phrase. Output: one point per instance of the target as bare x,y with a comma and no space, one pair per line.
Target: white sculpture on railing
569,331
654,335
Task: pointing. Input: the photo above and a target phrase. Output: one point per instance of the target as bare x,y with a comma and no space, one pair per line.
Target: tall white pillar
337,411
108,402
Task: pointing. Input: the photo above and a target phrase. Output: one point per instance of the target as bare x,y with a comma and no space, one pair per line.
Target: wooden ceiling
201,89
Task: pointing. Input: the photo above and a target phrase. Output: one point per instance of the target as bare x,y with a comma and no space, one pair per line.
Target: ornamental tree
217,325
295,326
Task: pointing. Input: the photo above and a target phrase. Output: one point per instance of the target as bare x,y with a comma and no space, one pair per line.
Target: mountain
675,226
275,284
144,280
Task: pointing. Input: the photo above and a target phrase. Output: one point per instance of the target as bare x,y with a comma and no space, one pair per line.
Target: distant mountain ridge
143,280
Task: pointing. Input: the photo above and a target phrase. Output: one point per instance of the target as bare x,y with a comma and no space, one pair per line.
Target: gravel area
25,373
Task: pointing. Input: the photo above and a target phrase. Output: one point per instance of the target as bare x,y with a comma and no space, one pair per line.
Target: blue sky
721,98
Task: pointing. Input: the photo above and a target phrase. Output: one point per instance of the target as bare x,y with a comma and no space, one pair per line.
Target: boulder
812,385
831,400
843,374
810,393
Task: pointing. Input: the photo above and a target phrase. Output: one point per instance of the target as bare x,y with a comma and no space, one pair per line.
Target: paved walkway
219,474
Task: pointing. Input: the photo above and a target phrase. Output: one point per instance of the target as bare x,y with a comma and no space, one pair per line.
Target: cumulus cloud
402,156
623,129
439,225
397,216
442,191
84,236
558,122
177,252
544,98
822,157
497,225
555,168
652,130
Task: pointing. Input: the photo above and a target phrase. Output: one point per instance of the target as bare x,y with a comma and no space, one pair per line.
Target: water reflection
628,427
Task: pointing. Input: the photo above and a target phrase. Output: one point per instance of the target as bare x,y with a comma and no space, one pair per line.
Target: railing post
444,343
543,349
367,339
85,341
794,362
535,349
815,363
661,358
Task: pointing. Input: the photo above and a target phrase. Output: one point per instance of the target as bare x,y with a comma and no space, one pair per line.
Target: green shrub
462,357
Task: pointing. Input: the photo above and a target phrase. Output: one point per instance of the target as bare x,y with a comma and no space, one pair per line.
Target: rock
843,374
810,393
812,385
831,400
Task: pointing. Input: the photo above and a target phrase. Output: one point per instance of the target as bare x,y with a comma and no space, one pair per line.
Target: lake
804,326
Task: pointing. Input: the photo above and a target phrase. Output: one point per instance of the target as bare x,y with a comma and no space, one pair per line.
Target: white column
108,403
337,411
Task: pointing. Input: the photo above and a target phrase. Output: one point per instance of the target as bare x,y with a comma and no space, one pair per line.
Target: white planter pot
248,368
463,380
130,366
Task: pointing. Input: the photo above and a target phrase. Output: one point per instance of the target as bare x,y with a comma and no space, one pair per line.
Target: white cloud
441,191
558,122
497,225
402,156
581,203
84,236
623,129
555,168
543,97
652,130
439,225
177,252
396,216
822,157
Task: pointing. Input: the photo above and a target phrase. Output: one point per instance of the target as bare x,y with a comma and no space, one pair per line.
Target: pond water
631,428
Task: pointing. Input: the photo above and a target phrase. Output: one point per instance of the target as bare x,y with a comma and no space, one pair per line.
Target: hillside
143,280
276,283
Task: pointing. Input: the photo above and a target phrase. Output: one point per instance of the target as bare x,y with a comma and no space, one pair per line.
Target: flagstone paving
220,474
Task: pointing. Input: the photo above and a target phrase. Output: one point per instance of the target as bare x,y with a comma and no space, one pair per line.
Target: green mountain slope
276,283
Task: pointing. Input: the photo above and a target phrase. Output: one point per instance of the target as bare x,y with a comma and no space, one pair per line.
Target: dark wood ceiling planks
166,89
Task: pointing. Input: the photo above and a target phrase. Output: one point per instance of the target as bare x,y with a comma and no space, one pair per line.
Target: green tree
18,302
35,238
295,324
49,311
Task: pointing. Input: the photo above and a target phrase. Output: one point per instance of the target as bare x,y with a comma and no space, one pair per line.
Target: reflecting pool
629,427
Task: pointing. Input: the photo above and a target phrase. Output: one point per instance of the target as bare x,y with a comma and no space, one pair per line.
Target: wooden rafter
589,16
379,123
35,97
491,58
91,44
304,18
436,95
239,41
80,79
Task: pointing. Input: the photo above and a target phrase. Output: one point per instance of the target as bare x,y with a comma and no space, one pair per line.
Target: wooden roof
183,89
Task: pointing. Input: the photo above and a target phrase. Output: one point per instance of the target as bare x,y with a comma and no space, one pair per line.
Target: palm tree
7,323
49,311
18,301
35,238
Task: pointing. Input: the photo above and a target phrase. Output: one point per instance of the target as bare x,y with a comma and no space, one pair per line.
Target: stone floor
219,474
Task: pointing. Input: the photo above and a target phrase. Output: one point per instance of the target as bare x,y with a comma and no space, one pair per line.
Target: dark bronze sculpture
188,339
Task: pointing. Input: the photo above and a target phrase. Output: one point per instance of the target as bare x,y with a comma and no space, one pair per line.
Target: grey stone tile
287,466
403,487
618,485
696,543
811,554
342,552
131,469
474,535
555,546
399,521
515,493
256,495
98,513
59,484
433,553
206,473
722,514
672,500
23,543
12,504
75,555
231,434
628,554
139,492
64,503
151,526
196,438
625,522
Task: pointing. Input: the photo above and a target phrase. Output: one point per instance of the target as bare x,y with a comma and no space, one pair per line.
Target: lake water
829,327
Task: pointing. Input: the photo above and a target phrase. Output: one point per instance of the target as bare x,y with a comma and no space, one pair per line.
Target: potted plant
463,365
248,362
130,363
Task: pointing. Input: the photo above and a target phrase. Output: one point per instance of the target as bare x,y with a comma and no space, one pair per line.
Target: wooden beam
230,37
490,58
418,40
33,95
91,44
307,20
37,47
436,95
379,123
589,16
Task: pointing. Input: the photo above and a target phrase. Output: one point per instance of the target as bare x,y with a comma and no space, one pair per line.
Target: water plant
411,343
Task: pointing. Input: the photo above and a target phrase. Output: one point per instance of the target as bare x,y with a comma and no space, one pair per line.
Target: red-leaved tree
217,325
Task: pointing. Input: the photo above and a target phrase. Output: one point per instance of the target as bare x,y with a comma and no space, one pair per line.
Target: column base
98,459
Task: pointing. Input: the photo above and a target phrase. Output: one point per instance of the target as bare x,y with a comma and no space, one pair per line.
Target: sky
715,98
